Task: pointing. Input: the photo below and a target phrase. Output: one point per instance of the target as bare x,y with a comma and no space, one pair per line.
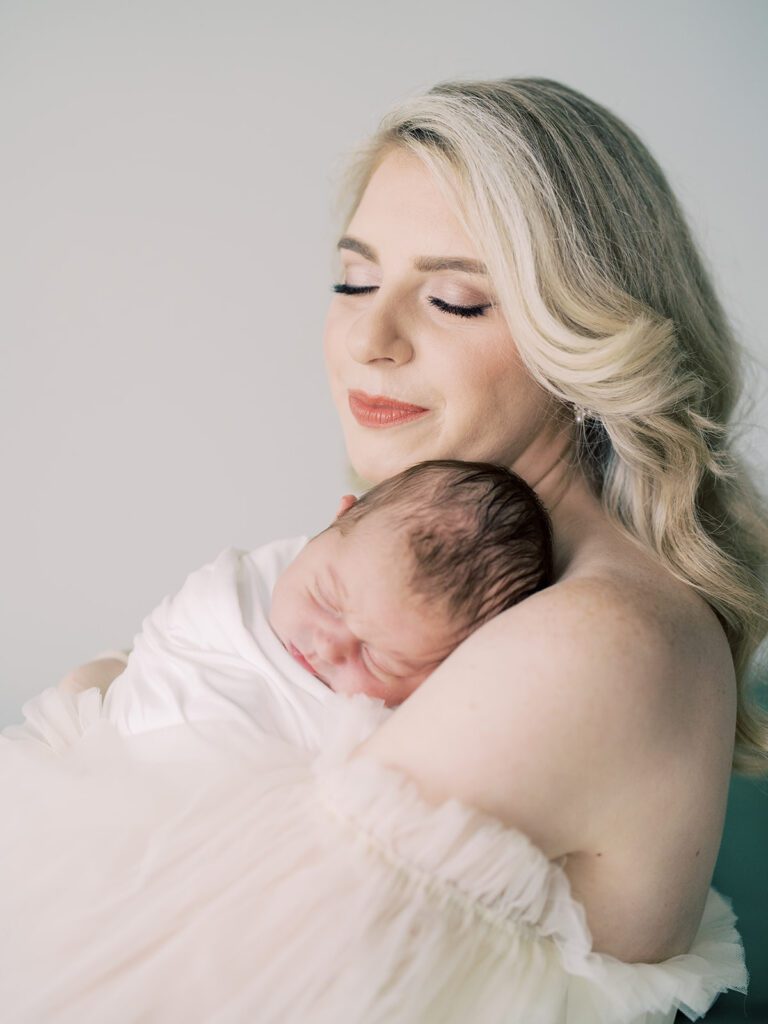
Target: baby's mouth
305,663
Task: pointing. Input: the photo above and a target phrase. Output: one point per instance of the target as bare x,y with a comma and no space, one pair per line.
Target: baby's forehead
386,597
380,542
379,532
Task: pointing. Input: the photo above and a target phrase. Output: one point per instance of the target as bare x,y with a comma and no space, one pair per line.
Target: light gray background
165,259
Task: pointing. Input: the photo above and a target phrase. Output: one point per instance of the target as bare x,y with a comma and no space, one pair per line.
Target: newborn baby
377,600
370,605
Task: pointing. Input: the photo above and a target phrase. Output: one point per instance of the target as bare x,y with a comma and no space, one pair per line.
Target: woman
515,269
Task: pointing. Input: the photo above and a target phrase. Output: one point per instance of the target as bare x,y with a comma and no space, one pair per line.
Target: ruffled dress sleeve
209,872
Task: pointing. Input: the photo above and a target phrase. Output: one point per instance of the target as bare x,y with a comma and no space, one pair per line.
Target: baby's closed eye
377,665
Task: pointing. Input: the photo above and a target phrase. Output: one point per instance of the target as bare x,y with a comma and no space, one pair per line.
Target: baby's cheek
396,692
373,687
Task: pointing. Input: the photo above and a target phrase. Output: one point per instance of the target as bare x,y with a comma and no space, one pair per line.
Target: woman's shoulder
679,775
530,716
674,619
569,717
618,574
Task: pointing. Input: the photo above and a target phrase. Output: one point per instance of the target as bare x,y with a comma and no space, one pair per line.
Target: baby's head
377,600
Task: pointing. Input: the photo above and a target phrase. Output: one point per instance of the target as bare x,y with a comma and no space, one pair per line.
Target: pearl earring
581,414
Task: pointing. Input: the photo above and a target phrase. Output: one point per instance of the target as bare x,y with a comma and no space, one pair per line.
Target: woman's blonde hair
612,309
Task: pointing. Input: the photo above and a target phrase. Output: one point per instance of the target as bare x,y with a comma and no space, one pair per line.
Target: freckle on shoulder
584,602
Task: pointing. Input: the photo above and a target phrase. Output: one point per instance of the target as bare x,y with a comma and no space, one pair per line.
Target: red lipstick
381,410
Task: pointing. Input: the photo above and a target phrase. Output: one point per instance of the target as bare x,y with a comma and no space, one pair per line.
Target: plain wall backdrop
166,237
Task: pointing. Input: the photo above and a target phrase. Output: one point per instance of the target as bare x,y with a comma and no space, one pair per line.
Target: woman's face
397,338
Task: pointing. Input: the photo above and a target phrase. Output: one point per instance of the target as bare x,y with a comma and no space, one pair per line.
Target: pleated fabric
211,872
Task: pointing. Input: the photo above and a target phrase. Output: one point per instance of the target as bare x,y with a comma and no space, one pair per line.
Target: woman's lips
381,411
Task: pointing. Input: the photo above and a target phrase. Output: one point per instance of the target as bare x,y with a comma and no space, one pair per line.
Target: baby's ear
346,502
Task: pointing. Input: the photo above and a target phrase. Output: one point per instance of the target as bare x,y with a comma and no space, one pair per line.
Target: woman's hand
101,671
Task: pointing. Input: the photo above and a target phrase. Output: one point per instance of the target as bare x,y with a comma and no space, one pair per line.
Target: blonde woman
516,283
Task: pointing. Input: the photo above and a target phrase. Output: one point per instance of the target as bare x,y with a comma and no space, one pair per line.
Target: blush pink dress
208,869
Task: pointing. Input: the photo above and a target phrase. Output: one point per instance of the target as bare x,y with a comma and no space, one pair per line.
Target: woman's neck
573,507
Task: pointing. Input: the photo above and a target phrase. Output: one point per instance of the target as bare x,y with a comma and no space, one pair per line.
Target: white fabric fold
210,872
209,652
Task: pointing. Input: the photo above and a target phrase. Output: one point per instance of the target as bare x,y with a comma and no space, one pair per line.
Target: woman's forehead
404,205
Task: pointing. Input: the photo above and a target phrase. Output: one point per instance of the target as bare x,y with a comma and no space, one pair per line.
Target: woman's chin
377,455
373,469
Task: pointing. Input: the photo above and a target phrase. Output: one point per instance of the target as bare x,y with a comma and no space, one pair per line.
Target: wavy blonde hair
612,309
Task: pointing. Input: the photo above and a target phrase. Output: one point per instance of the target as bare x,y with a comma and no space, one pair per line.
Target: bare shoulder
529,717
594,714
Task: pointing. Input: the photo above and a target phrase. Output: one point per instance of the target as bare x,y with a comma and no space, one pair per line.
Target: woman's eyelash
446,307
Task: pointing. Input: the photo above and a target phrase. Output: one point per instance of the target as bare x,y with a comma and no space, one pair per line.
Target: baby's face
343,610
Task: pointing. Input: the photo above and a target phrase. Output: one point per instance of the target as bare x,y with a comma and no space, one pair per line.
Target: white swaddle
212,871
208,652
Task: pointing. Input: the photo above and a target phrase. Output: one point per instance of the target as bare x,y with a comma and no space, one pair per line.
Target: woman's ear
346,502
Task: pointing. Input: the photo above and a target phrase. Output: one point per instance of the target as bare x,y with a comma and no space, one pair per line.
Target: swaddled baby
370,605
377,600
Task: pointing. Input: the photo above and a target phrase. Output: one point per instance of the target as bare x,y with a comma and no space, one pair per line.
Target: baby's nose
332,649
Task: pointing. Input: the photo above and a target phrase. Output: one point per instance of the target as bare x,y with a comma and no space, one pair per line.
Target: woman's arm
100,671
537,716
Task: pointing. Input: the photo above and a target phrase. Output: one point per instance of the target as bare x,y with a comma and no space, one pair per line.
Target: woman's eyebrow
424,264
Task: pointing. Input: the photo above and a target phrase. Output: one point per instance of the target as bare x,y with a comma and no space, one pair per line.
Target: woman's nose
377,334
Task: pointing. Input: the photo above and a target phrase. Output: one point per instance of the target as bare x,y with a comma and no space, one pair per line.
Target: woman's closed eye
446,307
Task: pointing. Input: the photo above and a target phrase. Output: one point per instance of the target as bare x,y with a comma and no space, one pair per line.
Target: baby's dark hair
479,537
